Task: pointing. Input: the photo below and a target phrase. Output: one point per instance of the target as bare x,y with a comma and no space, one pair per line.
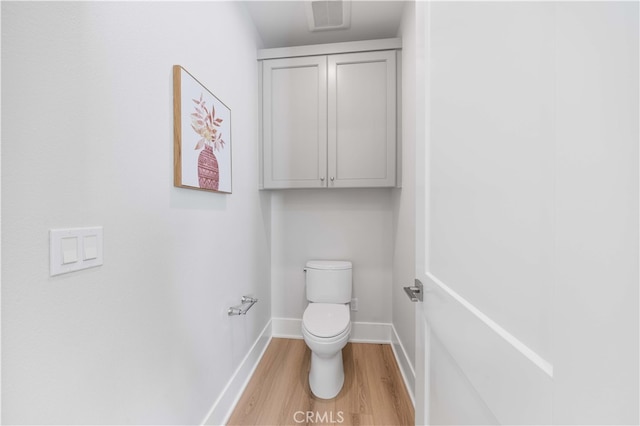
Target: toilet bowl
326,328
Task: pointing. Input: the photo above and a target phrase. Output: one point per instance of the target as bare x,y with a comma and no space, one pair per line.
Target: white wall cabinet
329,121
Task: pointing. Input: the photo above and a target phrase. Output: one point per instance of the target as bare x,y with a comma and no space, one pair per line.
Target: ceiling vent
323,15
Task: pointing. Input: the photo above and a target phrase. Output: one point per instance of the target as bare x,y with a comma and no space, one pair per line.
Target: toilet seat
326,320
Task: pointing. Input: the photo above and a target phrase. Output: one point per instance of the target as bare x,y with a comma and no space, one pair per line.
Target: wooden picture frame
202,136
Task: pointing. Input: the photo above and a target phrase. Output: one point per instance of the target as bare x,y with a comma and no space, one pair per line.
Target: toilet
326,323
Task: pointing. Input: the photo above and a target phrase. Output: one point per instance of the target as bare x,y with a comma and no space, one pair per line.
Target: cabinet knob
331,178
322,179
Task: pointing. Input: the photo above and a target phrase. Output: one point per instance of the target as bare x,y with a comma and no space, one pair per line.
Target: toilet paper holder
247,303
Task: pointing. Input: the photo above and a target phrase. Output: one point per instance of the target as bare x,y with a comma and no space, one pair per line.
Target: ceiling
284,23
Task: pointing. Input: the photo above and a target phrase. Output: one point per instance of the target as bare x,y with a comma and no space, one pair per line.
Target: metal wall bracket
247,303
415,292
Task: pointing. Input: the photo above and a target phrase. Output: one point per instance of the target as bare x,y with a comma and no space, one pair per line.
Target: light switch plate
74,249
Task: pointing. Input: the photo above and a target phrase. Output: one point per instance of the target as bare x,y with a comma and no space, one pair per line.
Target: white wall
87,140
349,224
404,199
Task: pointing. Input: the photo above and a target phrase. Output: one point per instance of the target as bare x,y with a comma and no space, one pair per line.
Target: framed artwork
202,136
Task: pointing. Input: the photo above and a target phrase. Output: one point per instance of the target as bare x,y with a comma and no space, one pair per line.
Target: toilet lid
326,319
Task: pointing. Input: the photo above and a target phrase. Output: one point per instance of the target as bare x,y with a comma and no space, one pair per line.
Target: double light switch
74,249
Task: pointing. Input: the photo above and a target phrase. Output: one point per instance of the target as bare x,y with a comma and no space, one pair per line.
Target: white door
527,214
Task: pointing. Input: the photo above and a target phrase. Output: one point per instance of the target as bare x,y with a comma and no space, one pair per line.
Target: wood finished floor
279,394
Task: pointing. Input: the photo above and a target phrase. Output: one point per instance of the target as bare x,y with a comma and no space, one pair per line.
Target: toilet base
326,375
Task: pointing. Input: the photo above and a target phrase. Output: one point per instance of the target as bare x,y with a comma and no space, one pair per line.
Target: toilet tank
328,281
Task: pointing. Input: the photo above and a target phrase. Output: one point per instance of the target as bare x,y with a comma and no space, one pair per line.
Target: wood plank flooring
279,394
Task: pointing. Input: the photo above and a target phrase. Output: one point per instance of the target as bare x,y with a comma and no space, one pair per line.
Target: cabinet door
362,119
294,114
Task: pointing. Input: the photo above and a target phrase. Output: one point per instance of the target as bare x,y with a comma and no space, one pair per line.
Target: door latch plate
415,292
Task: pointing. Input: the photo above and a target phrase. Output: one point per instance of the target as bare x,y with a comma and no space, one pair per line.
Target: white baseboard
370,332
361,332
288,328
406,369
223,407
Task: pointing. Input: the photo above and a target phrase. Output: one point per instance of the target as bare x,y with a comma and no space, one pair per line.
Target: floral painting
202,136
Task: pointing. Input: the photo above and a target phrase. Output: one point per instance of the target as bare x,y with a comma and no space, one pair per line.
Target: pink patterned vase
208,174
